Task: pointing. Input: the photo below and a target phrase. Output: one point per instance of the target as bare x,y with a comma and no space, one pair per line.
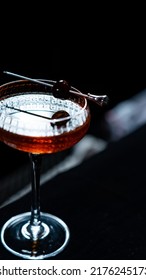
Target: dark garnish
59,115
61,89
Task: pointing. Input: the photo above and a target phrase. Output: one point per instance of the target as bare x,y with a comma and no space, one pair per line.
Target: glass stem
35,229
36,160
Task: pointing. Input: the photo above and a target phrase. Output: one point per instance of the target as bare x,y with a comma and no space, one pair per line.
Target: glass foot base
18,241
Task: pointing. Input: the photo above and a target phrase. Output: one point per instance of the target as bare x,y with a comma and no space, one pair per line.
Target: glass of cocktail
36,120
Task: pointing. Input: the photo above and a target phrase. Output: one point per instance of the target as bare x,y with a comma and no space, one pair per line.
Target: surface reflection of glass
28,122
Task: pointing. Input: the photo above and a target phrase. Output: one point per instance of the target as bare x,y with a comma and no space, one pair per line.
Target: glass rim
51,81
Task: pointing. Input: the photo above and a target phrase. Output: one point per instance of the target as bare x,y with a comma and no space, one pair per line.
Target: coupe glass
28,124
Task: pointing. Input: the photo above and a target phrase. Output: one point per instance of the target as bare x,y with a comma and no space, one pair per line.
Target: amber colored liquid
45,144
34,134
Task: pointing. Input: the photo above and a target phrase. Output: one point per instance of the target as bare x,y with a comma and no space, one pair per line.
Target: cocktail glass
28,124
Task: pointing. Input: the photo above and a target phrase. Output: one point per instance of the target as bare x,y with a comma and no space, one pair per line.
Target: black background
97,49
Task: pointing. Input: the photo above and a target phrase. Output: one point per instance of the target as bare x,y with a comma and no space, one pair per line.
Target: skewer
53,119
99,99
27,112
